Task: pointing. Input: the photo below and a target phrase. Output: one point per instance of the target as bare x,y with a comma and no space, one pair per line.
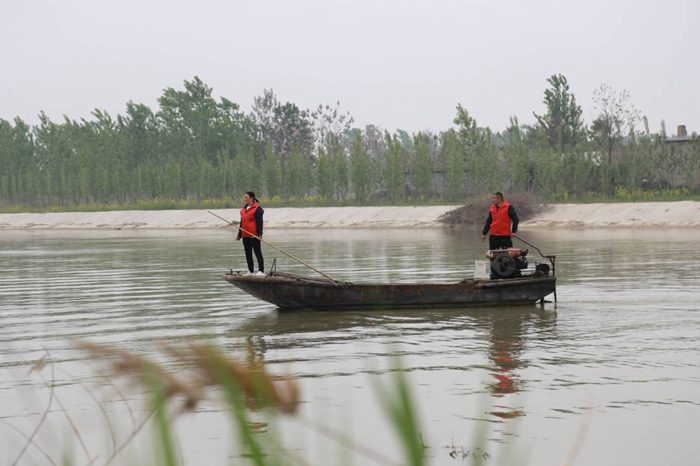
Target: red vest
248,221
500,220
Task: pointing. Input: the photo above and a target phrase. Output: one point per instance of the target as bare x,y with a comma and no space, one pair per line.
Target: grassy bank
214,203
521,200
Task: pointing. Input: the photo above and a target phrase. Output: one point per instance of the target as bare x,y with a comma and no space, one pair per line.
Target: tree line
194,147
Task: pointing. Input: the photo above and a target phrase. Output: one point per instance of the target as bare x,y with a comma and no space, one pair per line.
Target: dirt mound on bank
475,212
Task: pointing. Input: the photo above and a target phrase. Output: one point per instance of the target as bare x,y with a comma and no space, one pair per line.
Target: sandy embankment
629,214
648,214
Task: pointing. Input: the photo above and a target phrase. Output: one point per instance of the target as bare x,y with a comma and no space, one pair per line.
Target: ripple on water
622,340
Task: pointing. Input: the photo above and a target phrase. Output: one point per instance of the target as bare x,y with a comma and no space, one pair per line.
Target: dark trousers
500,242
250,245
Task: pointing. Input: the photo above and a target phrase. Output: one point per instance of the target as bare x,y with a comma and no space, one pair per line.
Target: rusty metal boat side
289,291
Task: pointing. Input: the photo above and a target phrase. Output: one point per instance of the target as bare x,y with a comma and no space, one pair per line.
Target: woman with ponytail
251,231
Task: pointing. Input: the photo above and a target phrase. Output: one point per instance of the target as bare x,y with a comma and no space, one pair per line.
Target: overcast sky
395,63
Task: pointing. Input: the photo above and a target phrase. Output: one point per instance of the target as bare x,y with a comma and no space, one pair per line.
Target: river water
608,376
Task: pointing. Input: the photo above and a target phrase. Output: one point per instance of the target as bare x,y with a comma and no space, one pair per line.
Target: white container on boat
482,270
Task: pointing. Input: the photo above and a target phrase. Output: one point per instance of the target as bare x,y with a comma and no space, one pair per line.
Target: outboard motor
507,263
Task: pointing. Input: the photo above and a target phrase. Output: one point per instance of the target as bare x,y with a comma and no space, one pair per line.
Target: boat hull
295,292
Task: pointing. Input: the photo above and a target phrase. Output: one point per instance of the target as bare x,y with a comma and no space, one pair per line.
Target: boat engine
507,263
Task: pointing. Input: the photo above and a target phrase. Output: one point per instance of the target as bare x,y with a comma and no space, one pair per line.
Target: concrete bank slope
680,214
283,217
646,214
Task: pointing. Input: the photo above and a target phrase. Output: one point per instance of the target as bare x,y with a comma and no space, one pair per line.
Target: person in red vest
501,216
251,229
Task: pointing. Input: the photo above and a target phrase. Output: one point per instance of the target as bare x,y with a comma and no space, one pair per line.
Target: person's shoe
260,274
249,274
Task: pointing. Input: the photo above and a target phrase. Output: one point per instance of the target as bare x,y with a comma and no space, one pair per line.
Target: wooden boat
289,291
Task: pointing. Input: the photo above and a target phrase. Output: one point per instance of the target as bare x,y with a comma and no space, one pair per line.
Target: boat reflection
500,335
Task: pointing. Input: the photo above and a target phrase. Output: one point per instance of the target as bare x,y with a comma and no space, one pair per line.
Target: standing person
252,223
501,216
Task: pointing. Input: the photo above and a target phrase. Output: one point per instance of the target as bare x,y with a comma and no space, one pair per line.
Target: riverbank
683,214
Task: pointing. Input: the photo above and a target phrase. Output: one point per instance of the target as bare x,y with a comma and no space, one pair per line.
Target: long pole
273,246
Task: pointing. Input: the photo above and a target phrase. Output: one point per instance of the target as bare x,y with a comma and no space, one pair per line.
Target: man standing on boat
251,230
501,216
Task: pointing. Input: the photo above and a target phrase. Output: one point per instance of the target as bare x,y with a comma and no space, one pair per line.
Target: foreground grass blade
401,410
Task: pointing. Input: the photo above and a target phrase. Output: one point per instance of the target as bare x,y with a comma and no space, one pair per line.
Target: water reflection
499,336
509,334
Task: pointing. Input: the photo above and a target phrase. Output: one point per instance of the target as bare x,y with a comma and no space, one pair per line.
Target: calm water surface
615,365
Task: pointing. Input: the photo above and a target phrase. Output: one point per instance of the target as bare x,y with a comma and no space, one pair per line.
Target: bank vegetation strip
193,148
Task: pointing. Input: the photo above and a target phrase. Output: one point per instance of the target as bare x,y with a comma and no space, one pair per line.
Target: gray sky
395,63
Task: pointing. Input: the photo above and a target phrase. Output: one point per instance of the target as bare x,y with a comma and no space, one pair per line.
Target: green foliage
193,148
547,172
361,171
477,153
562,125
173,180
300,176
247,174
325,175
341,173
454,165
467,129
423,170
285,127
394,171
272,173
194,124
516,154
494,174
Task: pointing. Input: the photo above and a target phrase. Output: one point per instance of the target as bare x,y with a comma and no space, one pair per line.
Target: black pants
500,242
250,245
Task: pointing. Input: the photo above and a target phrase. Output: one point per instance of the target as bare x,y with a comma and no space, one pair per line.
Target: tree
517,157
299,175
394,167
340,165
423,171
466,128
247,176
141,132
293,130
195,125
547,176
616,118
187,116
454,164
477,151
17,157
468,144
329,124
272,173
562,124
406,140
360,170
325,175
373,138
285,126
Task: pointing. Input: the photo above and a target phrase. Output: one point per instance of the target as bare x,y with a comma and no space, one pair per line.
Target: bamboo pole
273,246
